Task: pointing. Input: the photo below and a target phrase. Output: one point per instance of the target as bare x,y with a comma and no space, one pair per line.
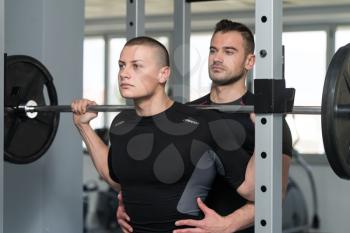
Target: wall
46,196
333,197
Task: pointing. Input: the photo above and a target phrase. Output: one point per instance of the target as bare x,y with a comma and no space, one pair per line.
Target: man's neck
152,105
227,93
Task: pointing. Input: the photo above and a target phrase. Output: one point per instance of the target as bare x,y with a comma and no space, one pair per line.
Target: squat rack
268,127
268,136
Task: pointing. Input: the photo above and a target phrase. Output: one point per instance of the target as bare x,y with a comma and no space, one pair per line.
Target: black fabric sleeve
287,144
227,144
228,172
110,166
235,164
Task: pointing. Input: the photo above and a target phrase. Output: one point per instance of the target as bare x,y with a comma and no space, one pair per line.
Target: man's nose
218,56
124,73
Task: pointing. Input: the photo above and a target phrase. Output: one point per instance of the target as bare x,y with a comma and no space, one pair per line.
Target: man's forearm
242,218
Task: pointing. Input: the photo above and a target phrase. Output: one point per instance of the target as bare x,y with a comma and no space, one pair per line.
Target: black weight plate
336,129
25,139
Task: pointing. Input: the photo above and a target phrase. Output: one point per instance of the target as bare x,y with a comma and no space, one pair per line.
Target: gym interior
79,43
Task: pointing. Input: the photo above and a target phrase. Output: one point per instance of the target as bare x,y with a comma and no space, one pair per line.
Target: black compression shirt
165,161
221,198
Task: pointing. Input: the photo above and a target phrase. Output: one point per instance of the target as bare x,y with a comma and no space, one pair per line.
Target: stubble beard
227,80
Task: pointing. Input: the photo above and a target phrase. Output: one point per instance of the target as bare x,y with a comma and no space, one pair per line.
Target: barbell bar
341,110
31,107
27,79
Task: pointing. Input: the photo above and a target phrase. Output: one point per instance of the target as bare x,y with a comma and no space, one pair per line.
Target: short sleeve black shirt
165,161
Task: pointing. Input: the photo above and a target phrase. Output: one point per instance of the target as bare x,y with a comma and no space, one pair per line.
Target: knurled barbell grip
308,110
67,108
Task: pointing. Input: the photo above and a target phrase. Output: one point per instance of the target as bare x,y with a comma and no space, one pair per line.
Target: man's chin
127,95
222,82
225,81
216,78
130,96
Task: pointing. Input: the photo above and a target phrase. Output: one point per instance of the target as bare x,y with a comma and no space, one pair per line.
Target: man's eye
136,66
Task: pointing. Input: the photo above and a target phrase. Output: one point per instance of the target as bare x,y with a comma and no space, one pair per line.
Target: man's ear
250,61
164,74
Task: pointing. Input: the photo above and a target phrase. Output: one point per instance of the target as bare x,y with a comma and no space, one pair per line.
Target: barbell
31,109
31,124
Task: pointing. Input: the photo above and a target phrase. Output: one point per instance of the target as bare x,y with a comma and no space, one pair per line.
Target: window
305,69
200,81
342,37
113,96
93,73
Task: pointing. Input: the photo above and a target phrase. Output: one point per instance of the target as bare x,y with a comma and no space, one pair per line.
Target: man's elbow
114,185
247,190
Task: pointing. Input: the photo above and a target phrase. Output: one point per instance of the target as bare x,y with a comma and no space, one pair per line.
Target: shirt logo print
119,123
190,121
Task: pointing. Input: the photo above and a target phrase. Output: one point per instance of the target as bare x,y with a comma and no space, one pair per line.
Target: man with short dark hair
231,57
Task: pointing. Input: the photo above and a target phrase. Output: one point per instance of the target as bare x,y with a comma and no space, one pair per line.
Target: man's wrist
83,126
230,224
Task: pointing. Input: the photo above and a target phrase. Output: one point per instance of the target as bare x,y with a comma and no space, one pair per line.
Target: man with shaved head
163,155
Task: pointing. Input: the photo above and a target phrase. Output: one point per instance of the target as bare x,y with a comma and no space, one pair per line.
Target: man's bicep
287,142
286,160
112,178
247,188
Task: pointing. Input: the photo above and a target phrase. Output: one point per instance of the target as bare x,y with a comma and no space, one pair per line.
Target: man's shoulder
124,121
204,115
204,100
184,109
126,115
248,98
